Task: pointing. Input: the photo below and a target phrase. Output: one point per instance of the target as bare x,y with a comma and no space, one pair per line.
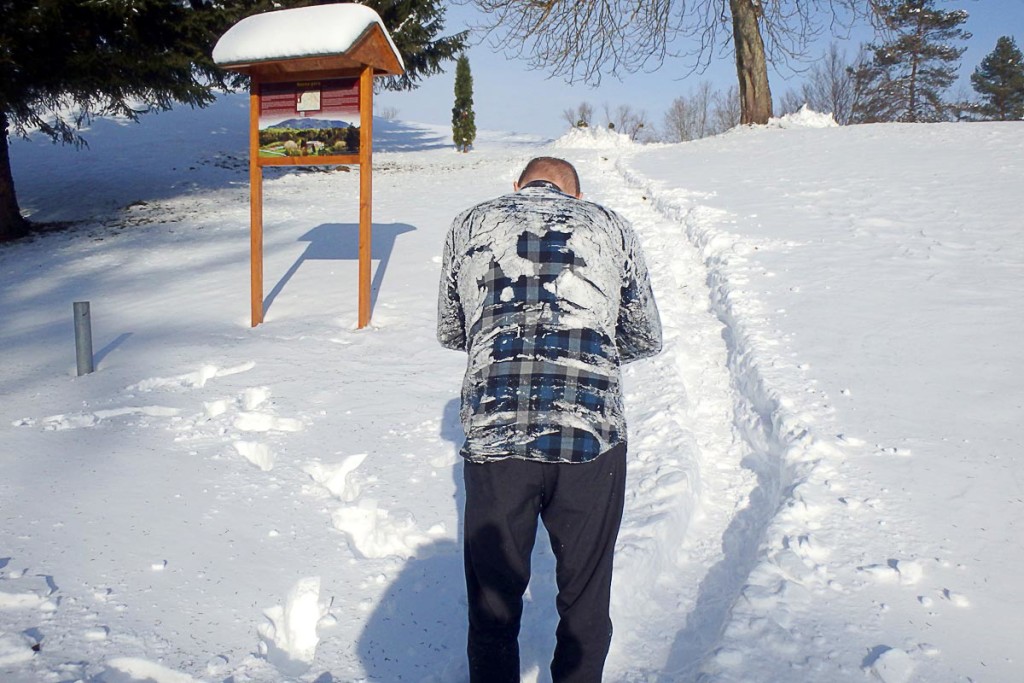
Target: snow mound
805,118
592,138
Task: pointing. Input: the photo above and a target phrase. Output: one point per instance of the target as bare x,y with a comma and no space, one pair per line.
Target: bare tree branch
584,40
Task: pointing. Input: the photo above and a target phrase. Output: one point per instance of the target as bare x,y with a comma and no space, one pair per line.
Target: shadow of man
417,631
539,618
340,242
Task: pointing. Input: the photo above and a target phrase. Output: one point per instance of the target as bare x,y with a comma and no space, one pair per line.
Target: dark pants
581,507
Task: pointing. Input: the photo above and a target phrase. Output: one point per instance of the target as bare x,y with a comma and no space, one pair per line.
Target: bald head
557,171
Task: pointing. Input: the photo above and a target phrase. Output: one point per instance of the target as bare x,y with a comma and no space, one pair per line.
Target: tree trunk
12,225
751,65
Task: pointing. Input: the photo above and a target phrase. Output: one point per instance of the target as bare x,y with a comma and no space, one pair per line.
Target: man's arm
638,330
451,322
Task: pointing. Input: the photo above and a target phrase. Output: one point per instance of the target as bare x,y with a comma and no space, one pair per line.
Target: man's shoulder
498,203
602,210
516,202
585,208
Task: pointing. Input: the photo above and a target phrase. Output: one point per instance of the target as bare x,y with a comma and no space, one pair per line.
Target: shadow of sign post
308,67
340,242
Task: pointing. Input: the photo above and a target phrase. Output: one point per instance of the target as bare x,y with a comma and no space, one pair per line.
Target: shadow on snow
340,242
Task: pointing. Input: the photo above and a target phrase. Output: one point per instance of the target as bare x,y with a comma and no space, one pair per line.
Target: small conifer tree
463,118
999,80
908,74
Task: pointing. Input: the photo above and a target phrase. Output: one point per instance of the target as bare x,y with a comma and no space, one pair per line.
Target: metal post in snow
83,338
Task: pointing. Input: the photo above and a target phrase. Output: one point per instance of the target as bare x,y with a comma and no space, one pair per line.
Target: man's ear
515,186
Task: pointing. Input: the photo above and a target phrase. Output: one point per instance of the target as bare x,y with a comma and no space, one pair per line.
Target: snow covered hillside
826,479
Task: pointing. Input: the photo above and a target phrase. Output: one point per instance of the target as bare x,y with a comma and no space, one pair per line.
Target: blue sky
508,96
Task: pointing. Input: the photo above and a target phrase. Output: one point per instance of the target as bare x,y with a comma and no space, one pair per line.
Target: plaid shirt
547,294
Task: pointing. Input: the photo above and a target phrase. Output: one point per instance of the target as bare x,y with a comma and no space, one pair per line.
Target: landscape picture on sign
309,118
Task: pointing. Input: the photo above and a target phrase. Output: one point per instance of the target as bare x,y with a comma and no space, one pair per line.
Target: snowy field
826,476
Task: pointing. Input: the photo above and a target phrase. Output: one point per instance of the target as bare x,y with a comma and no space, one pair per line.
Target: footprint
262,422
12,601
254,397
96,634
893,666
289,640
373,532
958,599
883,573
334,478
257,453
892,450
190,380
910,571
23,591
15,649
135,669
214,409
80,420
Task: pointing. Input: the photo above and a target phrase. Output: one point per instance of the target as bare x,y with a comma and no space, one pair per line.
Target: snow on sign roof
304,32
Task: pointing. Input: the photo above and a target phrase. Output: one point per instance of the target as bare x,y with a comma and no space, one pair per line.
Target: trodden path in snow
701,502
802,588
730,531
743,438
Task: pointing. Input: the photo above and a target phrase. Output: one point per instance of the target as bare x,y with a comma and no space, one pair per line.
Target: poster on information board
309,118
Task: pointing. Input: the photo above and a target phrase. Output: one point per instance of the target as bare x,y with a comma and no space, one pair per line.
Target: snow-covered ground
826,480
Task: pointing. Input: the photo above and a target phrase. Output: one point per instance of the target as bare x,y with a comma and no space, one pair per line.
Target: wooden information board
277,102
312,111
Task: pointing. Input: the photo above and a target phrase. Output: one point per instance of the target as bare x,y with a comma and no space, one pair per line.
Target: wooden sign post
299,86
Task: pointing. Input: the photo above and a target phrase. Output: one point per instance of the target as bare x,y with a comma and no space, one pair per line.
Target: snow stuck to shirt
295,33
579,282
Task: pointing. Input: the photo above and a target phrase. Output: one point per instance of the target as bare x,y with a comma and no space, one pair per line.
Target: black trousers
581,507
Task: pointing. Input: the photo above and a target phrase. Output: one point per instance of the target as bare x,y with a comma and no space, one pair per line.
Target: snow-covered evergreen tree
999,80
63,62
908,74
463,118
416,27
